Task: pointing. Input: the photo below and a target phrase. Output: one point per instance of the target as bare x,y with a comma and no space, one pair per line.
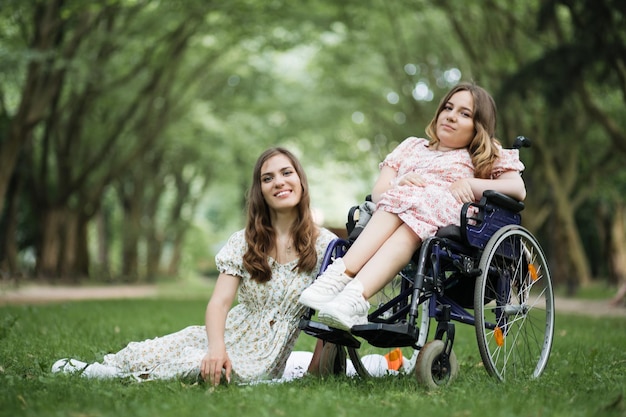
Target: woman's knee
406,237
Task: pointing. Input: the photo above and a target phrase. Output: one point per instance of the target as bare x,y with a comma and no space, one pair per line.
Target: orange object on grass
394,359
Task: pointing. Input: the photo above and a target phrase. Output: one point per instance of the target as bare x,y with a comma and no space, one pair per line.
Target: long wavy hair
484,147
260,234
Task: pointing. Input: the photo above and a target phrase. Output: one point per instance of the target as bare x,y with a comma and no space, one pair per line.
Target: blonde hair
260,234
484,147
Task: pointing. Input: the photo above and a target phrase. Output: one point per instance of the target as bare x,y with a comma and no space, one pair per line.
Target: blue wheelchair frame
444,262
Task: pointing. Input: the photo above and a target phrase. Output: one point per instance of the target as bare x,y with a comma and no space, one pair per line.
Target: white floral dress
261,329
426,209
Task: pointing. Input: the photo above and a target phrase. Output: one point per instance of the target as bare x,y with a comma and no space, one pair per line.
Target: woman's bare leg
350,307
341,272
392,256
381,227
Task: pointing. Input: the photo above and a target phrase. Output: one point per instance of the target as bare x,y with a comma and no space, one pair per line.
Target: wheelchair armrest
479,221
502,200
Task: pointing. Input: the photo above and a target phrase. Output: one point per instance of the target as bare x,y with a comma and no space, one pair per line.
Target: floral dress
260,333
426,209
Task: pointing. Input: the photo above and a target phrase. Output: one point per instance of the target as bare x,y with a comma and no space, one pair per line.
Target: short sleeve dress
260,332
426,209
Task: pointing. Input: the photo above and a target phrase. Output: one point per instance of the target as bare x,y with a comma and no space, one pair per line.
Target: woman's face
455,123
280,183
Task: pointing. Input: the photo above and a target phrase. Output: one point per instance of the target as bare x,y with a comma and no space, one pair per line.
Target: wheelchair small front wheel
434,369
514,305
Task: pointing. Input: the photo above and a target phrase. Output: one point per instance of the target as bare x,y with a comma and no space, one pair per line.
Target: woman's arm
510,183
217,309
386,177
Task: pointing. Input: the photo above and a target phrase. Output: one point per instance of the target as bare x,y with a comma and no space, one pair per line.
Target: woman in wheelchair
421,187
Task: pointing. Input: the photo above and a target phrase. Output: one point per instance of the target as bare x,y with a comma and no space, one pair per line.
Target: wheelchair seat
452,232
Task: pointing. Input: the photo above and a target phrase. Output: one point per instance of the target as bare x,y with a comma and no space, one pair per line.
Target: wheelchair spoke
515,327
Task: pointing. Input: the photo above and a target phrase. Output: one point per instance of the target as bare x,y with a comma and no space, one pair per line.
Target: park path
39,294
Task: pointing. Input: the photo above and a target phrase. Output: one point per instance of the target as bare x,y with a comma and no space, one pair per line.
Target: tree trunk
177,251
67,237
50,244
131,232
154,247
8,246
9,149
618,250
63,250
572,246
102,243
77,265
42,84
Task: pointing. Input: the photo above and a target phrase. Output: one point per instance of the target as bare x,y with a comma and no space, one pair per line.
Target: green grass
598,290
585,377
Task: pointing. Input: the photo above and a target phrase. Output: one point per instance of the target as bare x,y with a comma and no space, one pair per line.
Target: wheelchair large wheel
365,359
514,305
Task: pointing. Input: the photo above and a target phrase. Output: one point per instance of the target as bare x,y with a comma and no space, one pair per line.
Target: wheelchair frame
512,303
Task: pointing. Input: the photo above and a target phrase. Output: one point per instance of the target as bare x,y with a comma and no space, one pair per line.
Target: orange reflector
533,272
499,336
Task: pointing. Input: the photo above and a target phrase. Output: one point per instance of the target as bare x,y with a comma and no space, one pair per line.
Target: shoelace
331,278
353,301
332,284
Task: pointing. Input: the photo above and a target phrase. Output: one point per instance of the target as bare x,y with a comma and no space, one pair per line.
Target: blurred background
129,128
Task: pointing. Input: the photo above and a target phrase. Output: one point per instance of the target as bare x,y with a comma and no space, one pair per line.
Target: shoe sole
337,323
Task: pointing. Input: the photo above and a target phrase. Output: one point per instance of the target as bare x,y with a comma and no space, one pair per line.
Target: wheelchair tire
332,360
431,370
514,305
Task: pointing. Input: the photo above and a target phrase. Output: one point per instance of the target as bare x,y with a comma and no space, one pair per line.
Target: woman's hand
461,190
410,178
212,365
216,359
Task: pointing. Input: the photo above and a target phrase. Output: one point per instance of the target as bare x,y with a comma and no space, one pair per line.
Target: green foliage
163,106
583,378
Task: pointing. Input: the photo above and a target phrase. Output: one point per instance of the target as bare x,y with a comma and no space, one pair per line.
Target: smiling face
280,183
455,122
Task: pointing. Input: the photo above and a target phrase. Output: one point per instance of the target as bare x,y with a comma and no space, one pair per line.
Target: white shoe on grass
68,366
88,370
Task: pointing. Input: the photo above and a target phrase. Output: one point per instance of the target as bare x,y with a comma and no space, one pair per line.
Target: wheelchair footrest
329,334
385,335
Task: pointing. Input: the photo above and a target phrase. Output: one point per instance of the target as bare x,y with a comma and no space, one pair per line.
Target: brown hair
260,234
483,148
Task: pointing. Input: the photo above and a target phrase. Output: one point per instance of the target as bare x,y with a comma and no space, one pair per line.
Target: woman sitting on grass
268,265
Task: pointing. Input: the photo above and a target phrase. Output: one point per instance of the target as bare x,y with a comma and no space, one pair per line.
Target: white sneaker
88,370
326,287
348,309
68,366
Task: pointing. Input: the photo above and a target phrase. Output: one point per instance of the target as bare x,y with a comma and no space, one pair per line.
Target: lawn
586,375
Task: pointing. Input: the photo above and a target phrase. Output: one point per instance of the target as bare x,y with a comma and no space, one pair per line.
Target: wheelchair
490,273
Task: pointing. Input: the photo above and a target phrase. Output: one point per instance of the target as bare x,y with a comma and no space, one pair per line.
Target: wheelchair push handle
522,142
